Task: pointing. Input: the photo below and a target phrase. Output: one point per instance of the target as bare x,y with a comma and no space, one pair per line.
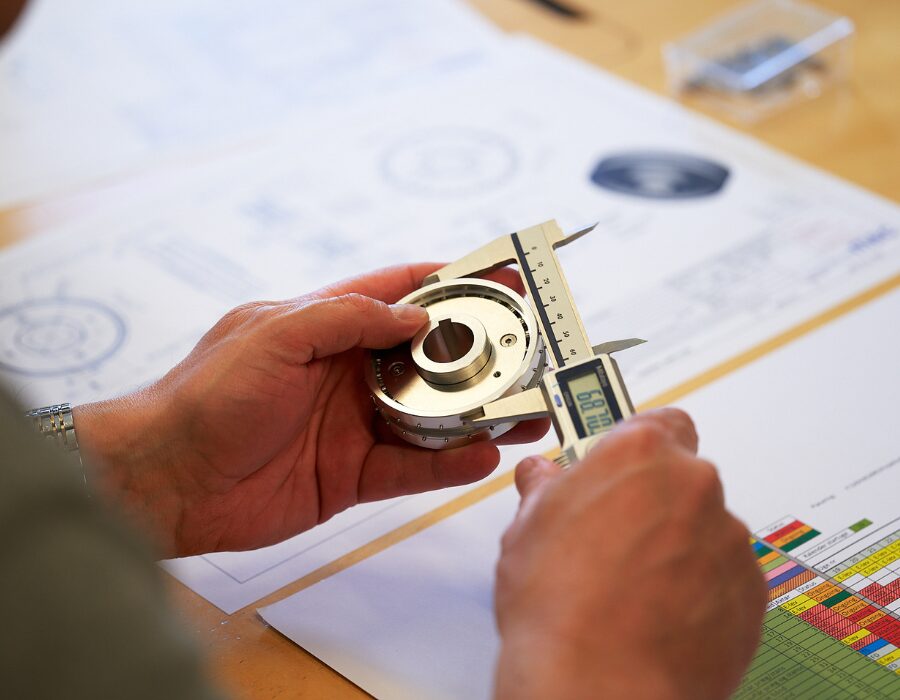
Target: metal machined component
481,344
478,366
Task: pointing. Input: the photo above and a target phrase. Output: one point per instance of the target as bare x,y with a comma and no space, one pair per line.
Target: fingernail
407,313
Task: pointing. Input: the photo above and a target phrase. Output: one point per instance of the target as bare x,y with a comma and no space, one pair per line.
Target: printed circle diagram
660,175
449,162
47,337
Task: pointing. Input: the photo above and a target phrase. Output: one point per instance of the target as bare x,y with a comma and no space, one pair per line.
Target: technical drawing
660,175
450,162
56,336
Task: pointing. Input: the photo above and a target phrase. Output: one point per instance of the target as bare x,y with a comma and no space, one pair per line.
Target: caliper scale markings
539,268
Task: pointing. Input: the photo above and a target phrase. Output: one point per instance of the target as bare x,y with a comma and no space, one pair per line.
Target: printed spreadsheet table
832,633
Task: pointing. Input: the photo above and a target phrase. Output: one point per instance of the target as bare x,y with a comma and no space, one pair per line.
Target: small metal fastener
397,369
508,340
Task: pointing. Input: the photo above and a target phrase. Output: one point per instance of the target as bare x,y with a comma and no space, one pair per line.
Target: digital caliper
480,365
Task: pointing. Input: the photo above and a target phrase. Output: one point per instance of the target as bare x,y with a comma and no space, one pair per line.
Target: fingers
509,277
533,476
388,284
354,312
391,283
655,440
398,470
676,423
662,424
525,432
330,326
533,473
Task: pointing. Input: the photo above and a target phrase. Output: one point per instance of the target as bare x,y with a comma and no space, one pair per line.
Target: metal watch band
56,424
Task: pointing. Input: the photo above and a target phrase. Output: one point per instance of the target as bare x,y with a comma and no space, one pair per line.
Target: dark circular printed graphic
46,337
660,175
449,162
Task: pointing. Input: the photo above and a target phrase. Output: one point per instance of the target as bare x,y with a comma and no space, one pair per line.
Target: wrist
129,461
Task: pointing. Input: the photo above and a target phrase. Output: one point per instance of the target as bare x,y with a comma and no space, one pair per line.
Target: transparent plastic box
761,58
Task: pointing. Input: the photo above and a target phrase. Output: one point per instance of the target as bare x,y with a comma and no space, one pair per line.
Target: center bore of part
451,349
449,342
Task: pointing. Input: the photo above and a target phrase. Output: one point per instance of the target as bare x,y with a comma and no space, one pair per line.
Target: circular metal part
481,343
450,349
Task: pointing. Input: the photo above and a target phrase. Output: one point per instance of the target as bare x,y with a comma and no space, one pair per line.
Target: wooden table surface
853,132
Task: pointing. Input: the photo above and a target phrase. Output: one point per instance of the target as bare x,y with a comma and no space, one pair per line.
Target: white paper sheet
122,299
809,431
94,88
415,621
232,580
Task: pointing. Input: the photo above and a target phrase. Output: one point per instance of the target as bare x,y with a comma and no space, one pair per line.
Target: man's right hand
626,576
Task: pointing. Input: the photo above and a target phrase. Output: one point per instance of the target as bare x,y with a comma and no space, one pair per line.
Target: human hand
267,428
625,576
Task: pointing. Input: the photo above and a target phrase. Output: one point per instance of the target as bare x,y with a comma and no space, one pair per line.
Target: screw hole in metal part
397,368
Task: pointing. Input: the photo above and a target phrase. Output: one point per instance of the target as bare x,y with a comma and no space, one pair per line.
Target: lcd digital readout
590,403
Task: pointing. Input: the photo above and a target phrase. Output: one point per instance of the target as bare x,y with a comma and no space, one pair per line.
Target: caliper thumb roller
487,358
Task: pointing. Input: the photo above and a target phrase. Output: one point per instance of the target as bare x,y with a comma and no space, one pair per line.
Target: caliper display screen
589,398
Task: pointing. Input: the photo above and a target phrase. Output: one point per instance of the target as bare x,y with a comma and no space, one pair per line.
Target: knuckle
681,417
360,303
687,426
243,310
242,314
706,477
646,439
701,486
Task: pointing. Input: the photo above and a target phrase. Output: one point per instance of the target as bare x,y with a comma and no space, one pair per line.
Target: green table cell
774,564
836,598
861,525
801,540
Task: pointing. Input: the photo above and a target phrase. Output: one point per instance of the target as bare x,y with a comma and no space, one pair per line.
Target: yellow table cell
873,562
799,605
855,637
846,573
871,568
889,658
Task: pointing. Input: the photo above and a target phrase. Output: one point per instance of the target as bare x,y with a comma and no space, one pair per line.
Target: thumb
330,326
533,474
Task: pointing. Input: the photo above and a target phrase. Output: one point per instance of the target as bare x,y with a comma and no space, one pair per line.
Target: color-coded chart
820,640
792,535
874,572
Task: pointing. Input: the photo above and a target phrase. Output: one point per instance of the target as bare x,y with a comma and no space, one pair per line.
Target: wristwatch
57,425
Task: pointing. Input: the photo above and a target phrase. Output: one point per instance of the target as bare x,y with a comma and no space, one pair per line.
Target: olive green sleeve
82,606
